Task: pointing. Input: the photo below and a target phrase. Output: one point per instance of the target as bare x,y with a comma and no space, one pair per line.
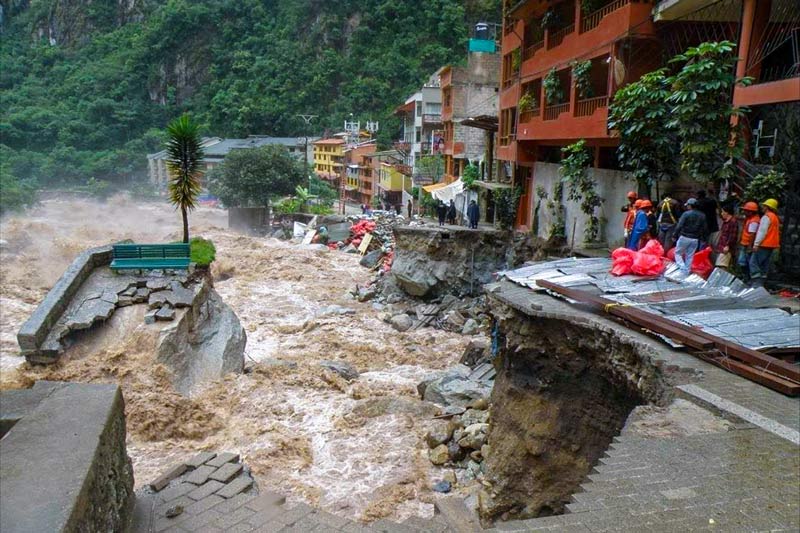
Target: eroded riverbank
351,447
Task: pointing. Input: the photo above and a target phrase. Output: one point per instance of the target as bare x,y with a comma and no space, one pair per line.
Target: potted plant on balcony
551,19
581,73
553,91
527,102
516,59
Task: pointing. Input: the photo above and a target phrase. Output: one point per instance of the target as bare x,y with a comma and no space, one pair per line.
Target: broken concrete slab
89,312
150,317
166,313
157,284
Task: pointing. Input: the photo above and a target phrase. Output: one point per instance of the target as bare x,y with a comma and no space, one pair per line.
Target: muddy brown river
354,448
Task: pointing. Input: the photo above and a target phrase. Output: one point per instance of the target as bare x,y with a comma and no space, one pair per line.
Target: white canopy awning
449,192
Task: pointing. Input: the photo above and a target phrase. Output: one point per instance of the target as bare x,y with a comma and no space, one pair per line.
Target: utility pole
307,119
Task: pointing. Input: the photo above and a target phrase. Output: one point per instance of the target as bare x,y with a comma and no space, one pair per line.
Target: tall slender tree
184,156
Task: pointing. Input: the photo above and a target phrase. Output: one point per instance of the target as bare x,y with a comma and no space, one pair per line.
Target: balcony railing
432,118
527,116
530,50
402,146
557,38
552,112
592,20
584,108
405,170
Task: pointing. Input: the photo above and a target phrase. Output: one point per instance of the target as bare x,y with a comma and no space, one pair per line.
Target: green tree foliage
470,176
582,74
639,114
506,202
701,110
92,104
431,167
184,161
553,91
765,186
255,176
575,172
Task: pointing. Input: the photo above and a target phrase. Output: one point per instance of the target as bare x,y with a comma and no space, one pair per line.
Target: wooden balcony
432,118
551,112
527,116
592,20
556,38
584,108
529,51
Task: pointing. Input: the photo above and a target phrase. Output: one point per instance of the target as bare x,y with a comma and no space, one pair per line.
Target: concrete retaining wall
64,465
34,331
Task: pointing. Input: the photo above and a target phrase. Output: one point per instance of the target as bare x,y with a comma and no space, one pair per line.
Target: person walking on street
749,230
441,212
689,231
726,242
630,214
474,214
669,212
768,239
451,213
410,208
641,225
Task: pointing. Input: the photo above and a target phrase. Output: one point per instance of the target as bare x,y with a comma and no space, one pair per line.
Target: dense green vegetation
87,88
202,251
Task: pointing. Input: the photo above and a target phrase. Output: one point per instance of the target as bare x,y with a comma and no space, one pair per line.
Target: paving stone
197,507
223,458
206,489
294,514
266,500
200,475
234,503
200,458
226,472
236,486
163,480
230,519
170,493
265,517
204,519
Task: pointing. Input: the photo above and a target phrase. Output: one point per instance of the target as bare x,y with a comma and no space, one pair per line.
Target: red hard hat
750,206
632,194
645,204
638,204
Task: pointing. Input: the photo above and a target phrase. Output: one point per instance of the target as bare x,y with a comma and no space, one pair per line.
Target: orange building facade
622,39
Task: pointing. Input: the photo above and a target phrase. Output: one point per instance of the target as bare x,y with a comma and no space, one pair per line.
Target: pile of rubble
468,316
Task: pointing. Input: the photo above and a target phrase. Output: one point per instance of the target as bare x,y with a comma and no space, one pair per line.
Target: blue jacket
640,226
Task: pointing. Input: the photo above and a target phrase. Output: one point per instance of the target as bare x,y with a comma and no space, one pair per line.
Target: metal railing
530,114
592,20
584,108
432,118
556,38
530,50
552,112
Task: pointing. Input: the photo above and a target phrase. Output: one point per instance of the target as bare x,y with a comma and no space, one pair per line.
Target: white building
422,123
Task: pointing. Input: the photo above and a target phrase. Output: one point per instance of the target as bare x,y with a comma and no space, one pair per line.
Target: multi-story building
611,43
358,187
391,181
216,149
467,92
329,159
422,123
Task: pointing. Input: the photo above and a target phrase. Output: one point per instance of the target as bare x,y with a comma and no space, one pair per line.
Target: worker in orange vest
749,230
630,214
768,239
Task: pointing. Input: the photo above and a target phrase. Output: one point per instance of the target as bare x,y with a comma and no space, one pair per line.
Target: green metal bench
150,256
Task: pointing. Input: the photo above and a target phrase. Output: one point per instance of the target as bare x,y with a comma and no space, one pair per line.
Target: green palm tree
184,157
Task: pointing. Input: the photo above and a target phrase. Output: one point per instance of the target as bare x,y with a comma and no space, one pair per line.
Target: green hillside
88,85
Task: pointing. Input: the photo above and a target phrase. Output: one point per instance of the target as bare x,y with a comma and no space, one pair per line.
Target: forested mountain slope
87,85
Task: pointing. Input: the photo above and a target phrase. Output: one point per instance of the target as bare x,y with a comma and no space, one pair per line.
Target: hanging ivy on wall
506,201
575,172
582,74
516,60
553,91
558,226
527,102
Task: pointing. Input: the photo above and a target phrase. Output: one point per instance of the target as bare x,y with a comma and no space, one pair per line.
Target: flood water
354,449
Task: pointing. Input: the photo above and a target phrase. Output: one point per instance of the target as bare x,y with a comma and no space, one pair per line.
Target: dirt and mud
353,448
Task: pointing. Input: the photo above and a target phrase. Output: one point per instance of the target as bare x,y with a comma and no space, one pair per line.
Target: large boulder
455,388
206,342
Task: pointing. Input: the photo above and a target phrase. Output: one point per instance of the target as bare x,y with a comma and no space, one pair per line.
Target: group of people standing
448,213
701,222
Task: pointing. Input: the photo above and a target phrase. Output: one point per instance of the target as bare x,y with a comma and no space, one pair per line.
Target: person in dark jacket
410,208
474,214
451,213
689,231
441,212
708,206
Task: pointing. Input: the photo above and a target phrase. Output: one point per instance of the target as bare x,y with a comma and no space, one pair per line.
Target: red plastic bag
647,264
622,261
701,263
653,247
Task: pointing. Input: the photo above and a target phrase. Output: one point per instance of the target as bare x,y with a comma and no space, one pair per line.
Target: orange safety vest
773,237
749,230
629,218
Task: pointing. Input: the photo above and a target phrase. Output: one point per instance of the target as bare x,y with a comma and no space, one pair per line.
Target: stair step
458,518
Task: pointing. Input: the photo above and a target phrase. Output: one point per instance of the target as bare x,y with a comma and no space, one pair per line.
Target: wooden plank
362,248
777,383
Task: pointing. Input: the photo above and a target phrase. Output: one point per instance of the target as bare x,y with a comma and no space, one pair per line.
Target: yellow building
392,183
329,158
